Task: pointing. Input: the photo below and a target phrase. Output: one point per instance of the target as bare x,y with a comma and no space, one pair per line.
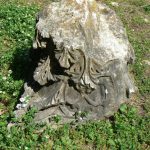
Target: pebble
115,4
146,20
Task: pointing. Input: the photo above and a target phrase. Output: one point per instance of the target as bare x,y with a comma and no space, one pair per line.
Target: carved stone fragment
83,62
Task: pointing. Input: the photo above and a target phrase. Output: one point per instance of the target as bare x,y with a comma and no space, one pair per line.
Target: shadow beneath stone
22,65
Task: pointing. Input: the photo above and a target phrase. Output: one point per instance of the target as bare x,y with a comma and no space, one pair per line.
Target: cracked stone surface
83,53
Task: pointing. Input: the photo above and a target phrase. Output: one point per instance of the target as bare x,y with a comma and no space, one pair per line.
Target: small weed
147,8
56,118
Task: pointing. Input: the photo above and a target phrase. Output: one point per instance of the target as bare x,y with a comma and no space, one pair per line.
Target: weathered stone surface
83,66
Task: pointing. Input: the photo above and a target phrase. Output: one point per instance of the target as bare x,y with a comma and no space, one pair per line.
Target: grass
127,129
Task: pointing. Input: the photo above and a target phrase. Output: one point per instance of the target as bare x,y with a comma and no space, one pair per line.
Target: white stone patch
79,1
86,15
90,1
23,105
111,43
115,4
146,20
131,90
106,91
22,99
114,75
87,81
19,106
10,71
147,62
94,16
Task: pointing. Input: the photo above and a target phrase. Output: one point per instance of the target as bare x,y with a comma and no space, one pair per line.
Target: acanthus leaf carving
43,73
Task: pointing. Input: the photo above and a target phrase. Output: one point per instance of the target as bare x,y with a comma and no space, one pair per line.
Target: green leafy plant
147,8
56,118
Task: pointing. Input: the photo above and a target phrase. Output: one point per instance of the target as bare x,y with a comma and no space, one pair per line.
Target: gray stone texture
83,65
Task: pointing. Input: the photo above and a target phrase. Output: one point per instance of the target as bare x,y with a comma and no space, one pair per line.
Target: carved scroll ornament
84,53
